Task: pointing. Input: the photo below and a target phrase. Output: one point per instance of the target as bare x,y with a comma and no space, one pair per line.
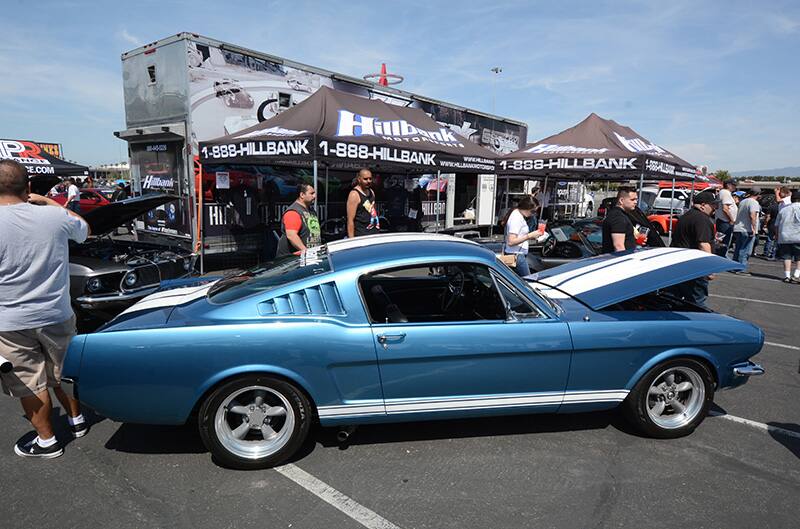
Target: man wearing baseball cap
695,229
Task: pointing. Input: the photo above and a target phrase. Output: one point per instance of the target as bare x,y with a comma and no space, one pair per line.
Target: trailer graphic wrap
157,169
231,91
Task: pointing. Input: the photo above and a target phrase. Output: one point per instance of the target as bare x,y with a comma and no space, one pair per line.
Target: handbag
510,260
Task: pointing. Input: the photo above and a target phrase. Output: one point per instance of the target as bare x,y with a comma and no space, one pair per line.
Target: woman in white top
517,233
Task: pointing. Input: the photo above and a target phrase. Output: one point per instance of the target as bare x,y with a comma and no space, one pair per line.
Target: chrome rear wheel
255,421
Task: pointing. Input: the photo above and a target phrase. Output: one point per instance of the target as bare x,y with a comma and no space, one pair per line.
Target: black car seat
384,307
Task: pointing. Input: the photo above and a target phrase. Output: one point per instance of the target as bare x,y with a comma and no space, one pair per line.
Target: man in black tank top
362,215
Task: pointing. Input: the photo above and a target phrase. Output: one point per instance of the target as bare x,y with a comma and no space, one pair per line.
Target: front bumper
93,302
748,369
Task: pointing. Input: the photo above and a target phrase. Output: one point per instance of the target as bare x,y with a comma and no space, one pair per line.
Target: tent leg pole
544,196
201,232
326,192
438,176
641,185
315,174
671,208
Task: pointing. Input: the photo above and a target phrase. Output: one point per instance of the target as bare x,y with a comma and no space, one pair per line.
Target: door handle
384,339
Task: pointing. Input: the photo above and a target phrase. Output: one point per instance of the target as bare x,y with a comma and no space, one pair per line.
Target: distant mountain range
791,172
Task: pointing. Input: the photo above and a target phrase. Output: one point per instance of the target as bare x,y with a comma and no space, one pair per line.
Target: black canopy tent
37,161
596,149
346,131
43,169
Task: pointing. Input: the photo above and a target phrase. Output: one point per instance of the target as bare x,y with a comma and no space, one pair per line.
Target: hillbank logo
639,145
546,148
156,182
351,124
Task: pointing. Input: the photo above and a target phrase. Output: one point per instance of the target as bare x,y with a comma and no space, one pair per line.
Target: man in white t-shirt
726,215
36,318
73,197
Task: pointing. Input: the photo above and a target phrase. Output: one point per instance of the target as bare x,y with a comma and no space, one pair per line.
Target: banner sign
53,149
37,160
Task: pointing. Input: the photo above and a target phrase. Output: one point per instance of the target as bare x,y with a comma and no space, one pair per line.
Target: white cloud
130,39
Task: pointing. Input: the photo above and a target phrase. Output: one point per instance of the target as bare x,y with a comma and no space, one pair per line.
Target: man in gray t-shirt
36,318
745,230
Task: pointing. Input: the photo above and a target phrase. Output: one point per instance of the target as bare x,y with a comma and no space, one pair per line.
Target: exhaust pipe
344,434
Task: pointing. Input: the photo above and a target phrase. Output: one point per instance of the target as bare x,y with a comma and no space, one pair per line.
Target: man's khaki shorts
37,356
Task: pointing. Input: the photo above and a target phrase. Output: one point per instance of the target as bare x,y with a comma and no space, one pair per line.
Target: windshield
269,276
543,297
646,204
581,231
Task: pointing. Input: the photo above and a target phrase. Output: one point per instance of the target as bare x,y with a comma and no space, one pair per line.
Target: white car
664,197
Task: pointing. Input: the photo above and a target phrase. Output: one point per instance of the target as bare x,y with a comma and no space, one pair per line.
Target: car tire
671,399
254,422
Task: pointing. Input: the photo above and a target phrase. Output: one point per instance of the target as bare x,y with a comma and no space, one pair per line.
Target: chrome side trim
443,404
748,369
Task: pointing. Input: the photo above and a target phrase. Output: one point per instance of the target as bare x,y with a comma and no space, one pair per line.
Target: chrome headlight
94,284
130,279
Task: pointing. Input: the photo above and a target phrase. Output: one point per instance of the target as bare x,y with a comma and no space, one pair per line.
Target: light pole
497,71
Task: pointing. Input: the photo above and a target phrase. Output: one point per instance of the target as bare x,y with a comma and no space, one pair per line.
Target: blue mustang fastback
408,327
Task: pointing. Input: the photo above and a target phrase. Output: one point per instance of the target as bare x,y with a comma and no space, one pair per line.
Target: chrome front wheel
671,399
675,397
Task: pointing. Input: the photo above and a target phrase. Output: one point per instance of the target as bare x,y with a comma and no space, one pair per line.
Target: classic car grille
320,300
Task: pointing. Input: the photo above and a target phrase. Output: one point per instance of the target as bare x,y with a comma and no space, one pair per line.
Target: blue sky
716,82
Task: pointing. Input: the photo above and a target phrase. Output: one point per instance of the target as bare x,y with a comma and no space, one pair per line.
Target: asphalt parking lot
741,468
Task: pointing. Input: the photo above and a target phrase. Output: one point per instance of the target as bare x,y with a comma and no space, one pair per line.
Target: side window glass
439,292
516,302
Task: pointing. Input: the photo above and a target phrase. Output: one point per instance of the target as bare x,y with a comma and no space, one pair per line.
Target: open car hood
610,278
104,219
41,184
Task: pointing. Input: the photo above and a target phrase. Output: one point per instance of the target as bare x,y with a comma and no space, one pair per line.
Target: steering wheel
548,246
455,286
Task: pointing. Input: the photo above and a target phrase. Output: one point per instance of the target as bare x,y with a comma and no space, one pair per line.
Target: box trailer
188,88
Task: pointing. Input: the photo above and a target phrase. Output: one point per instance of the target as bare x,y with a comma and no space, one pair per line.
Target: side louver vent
322,300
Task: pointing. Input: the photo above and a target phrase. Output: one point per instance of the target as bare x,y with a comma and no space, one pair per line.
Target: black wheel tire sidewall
636,403
298,401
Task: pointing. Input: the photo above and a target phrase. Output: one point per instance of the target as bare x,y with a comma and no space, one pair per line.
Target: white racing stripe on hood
170,298
604,264
638,264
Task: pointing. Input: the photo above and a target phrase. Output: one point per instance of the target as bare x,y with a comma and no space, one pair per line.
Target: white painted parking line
737,276
755,301
773,344
754,424
341,501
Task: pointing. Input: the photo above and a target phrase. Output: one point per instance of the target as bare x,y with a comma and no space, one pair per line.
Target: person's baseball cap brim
706,198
